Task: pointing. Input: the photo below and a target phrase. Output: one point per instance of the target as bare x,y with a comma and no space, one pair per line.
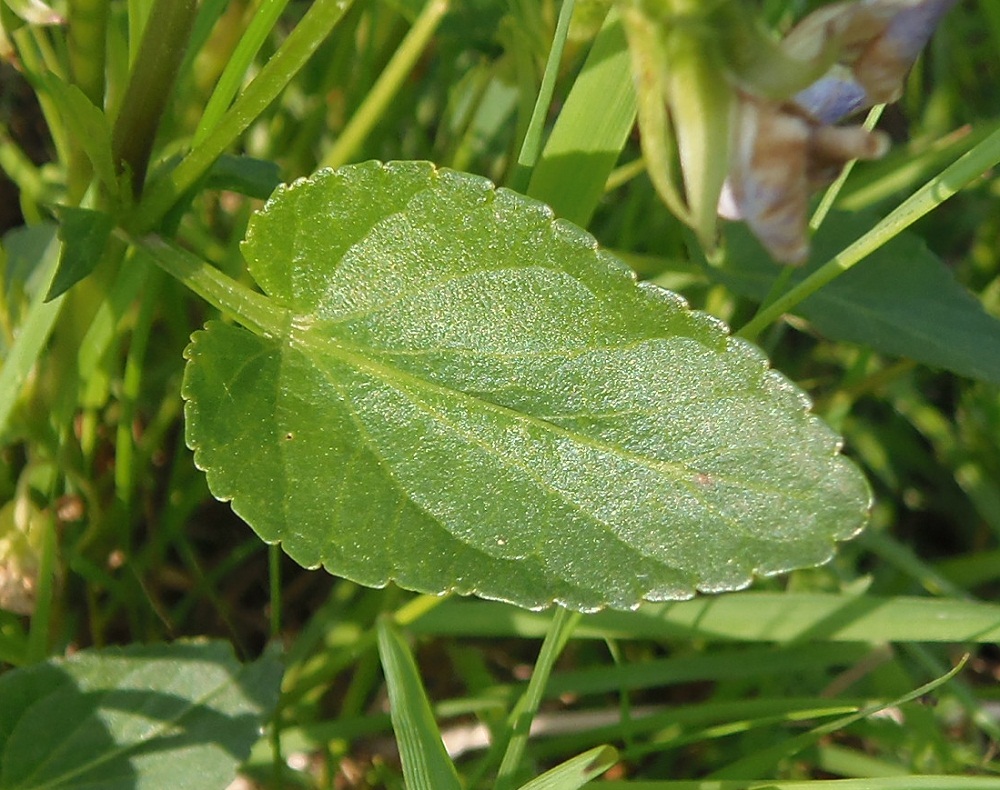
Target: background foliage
111,537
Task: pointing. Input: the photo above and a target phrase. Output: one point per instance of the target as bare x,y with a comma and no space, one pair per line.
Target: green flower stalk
684,94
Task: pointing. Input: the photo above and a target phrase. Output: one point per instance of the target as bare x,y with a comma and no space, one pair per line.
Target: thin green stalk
150,84
833,191
253,310
236,68
387,85
32,338
416,608
41,619
766,758
560,630
86,43
86,51
274,577
293,54
974,707
37,59
531,146
138,15
125,468
19,168
951,180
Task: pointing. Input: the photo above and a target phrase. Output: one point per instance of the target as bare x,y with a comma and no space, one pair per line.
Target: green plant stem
274,578
125,466
833,191
86,49
387,85
415,609
293,54
232,76
38,636
86,43
37,59
150,84
32,337
951,180
560,630
531,147
20,169
253,310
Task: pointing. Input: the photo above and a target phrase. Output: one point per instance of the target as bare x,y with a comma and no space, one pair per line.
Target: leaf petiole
253,310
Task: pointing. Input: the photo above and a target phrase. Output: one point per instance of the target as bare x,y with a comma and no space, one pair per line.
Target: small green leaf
577,771
183,715
84,234
86,124
902,300
426,765
257,178
470,396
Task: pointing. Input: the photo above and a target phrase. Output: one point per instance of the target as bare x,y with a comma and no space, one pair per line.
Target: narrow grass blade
264,19
560,630
31,339
576,772
935,192
748,616
761,762
590,132
426,765
532,143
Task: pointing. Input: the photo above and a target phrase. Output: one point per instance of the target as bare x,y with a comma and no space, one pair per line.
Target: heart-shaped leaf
468,395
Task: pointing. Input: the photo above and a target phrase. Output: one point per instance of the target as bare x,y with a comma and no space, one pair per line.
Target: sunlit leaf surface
471,396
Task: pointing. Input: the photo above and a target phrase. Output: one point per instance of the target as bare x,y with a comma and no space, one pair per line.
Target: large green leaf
182,715
467,395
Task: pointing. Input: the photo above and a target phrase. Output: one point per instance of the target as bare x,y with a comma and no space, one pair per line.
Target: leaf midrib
399,379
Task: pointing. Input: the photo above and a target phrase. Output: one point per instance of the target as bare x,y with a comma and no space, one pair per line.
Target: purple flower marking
911,28
832,98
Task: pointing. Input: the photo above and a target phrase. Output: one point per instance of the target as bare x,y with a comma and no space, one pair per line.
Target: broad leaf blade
901,301
472,397
159,716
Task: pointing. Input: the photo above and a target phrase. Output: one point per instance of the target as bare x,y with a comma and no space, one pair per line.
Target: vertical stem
560,630
150,84
86,42
311,31
387,85
531,147
263,22
38,637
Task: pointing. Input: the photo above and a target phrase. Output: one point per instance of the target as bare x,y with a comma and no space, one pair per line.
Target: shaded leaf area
181,715
471,396
902,300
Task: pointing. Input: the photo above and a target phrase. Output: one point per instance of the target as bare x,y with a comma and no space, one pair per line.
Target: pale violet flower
786,149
